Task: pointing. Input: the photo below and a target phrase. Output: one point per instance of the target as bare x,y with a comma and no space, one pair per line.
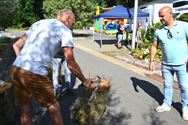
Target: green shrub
77,25
143,50
183,17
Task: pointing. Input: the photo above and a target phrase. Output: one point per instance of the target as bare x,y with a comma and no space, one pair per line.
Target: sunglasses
169,34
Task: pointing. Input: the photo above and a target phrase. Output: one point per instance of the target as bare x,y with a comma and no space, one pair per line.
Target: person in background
139,34
35,50
60,64
120,34
172,36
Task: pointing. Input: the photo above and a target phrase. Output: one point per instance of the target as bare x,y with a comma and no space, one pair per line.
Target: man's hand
151,66
87,83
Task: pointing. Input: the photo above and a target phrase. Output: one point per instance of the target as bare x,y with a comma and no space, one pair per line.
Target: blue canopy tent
121,12
117,12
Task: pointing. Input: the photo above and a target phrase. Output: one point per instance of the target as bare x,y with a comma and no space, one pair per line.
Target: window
180,3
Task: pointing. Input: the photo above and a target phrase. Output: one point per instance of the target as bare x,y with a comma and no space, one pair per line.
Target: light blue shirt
44,39
173,43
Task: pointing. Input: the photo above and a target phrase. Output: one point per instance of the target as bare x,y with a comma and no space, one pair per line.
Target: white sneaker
185,113
164,107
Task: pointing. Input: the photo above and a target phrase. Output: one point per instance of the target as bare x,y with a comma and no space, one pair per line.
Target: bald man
172,36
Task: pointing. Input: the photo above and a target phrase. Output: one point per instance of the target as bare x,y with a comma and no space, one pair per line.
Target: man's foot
4,85
164,107
185,113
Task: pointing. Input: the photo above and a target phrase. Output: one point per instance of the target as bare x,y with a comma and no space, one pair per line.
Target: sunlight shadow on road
149,88
152,91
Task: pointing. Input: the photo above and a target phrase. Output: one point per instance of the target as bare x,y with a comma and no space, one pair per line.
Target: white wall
153,10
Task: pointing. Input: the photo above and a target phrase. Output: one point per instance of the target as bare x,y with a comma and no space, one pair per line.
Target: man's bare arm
73,66
17,46
153,52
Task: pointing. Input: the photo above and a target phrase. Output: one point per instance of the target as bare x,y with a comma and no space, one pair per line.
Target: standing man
172,36
35,50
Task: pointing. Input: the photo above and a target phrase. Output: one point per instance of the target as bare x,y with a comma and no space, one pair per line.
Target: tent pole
101,21
135,23
93,30
101,39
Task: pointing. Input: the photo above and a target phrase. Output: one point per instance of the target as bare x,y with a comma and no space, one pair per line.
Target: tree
7,12
23,13
28,12
83,9
38,8
126,3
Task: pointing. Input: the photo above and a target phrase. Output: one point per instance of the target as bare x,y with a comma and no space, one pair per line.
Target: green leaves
7,12
142,52
23,13
27,12
183,17
83,9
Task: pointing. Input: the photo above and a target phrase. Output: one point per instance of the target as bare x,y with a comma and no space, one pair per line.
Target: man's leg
167,74
182,80
26,117
23,97
120,39
42,90
55,114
